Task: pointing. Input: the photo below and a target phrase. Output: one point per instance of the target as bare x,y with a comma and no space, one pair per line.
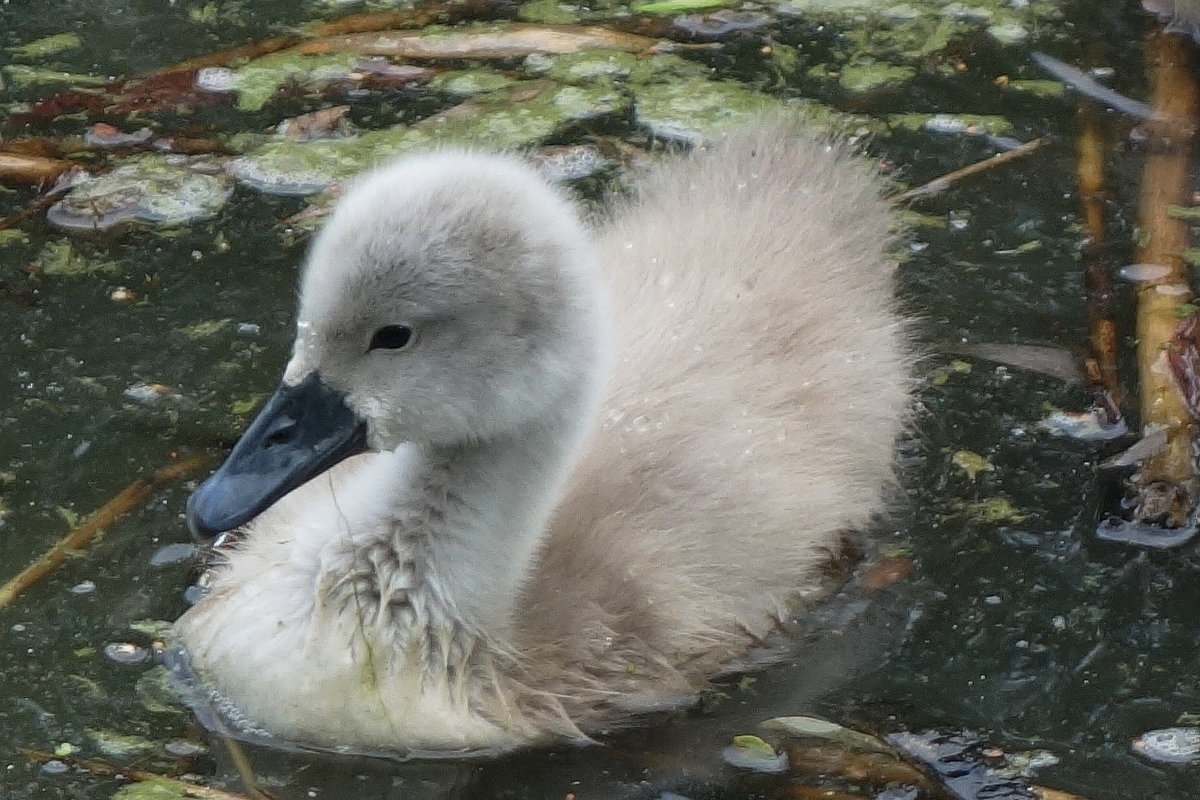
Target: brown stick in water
1101,365
1166,488
938,185
121,504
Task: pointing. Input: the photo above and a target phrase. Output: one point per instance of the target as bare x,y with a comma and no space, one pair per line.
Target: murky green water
1022,628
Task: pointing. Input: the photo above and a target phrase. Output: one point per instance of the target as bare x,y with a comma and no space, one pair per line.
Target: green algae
46,46
547,12
60,258
867,76
261,79
692,109
590,66
23,76
950,123
664,8
470,82
992,511
513,118
164,191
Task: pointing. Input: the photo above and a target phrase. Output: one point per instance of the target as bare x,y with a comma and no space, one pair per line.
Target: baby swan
521,480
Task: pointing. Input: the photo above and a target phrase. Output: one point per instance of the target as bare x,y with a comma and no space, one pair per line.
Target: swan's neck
477,512
447,560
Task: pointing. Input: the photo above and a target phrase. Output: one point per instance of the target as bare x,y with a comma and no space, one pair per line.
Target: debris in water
172,554
1135,273
1169,745
108,137
125,652
1183,356
814,728
971,463
959,762
1085,84
154,189
1090,425
1143,534
326,123
718,25
1154,439
753,753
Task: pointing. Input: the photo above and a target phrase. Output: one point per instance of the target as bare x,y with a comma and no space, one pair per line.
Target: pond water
124,349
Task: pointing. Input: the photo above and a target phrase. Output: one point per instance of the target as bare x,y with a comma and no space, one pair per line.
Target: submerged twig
946,181
107,770
245,771
121,503
1166,486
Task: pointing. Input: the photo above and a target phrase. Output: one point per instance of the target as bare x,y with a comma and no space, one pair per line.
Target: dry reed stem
1167,487
121,503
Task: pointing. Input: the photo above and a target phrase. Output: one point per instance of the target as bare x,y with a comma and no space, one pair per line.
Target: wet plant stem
241,763
122,503
1166,487
1101,364
938,185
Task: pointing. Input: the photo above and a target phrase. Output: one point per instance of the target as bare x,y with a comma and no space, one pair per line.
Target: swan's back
760,381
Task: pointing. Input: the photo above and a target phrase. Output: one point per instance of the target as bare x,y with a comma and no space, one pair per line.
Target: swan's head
451,298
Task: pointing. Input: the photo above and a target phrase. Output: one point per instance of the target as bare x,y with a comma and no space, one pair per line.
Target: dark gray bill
302,431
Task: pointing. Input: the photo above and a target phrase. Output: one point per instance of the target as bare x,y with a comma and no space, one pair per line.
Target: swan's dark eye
391,337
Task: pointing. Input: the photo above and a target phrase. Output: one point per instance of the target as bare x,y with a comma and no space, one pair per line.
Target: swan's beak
302,431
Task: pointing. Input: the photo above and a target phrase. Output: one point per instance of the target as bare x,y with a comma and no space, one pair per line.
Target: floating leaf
814,728
971,463
753,753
